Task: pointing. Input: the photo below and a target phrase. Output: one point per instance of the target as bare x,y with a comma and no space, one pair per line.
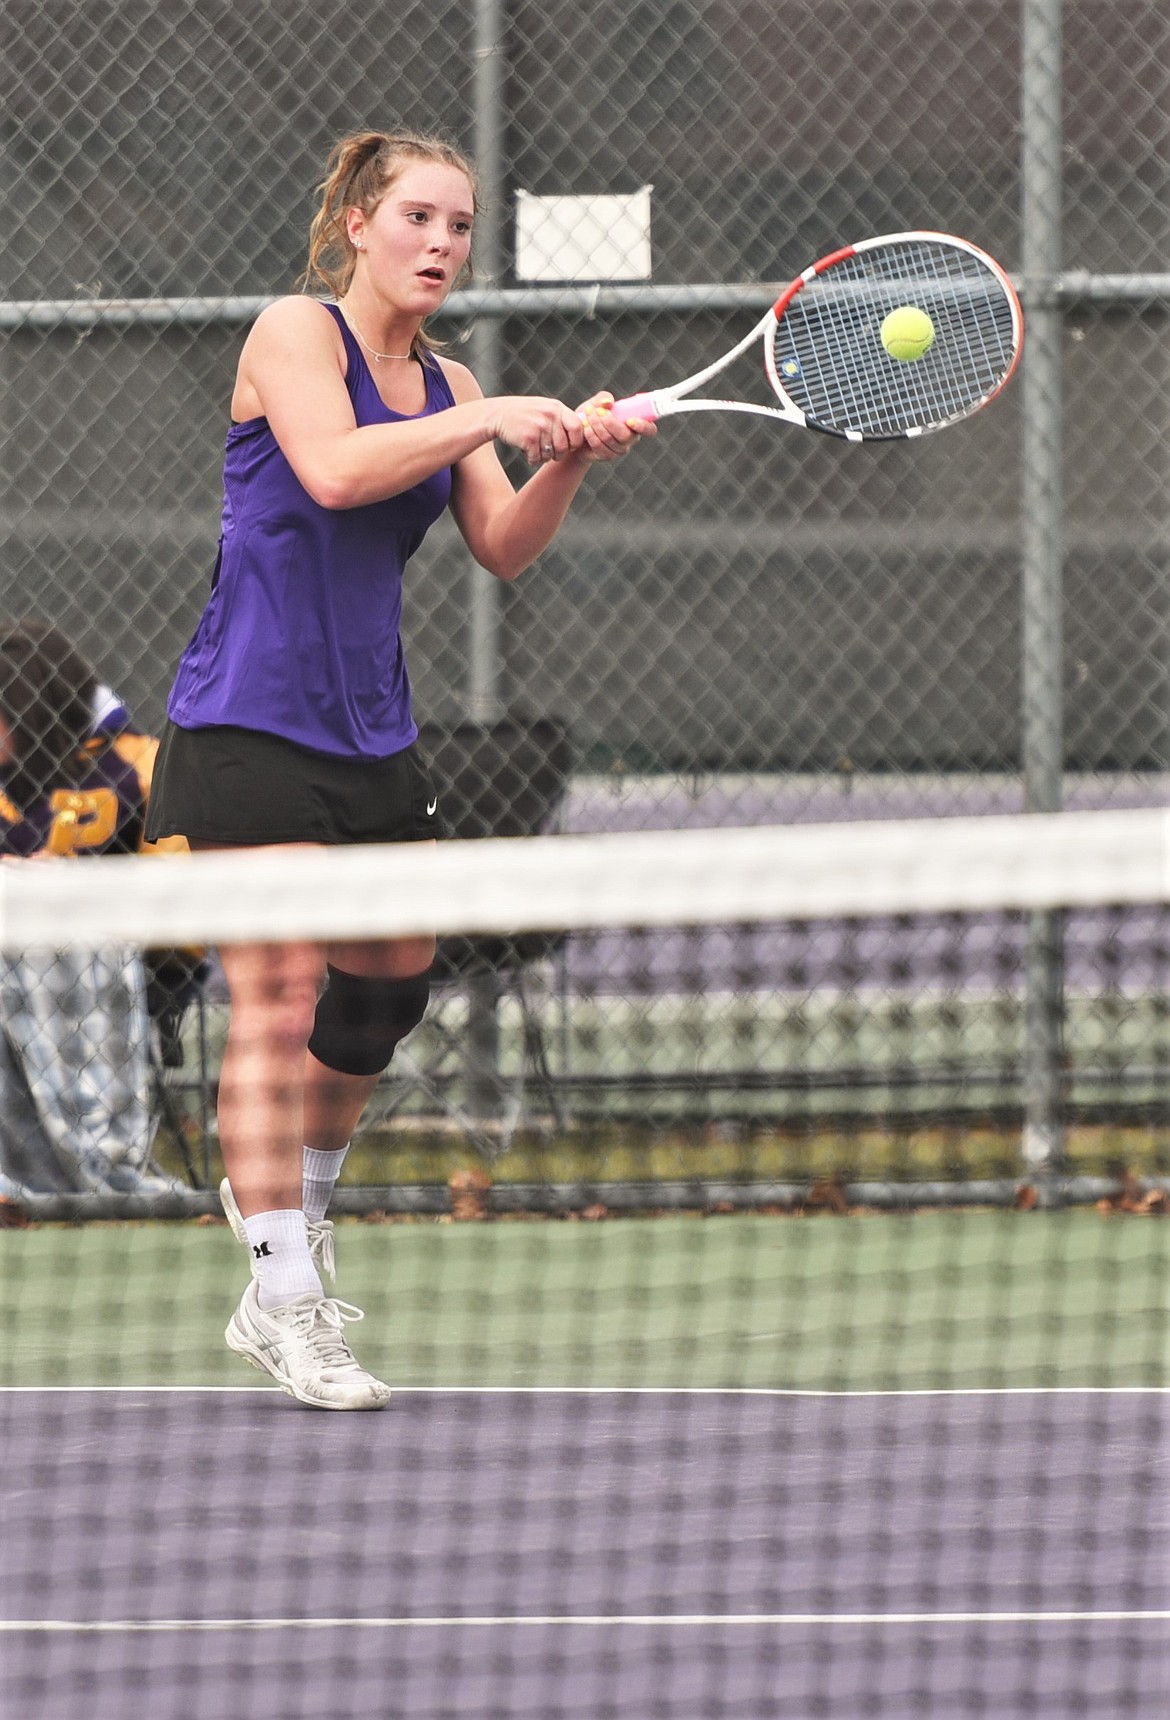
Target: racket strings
829,358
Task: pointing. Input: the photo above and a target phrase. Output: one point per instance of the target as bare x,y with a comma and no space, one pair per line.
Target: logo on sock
262,1251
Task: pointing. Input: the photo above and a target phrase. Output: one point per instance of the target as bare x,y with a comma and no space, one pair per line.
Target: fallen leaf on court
826,1195
469,1193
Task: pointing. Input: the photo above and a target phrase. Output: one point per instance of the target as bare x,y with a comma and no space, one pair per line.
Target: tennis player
290,716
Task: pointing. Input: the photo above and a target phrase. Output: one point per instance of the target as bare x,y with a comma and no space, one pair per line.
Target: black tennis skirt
239,786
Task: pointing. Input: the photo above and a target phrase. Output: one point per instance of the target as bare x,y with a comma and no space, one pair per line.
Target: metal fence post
1043,560
485,701
484,664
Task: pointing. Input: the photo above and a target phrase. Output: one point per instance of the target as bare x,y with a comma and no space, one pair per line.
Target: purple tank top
300,636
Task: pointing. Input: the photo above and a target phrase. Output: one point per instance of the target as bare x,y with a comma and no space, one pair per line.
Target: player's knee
359,1021
274,994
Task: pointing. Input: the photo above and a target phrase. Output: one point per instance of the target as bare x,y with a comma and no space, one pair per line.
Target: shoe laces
318,1323
321,1246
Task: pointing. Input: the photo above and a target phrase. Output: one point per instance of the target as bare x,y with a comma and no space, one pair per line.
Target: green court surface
875,1302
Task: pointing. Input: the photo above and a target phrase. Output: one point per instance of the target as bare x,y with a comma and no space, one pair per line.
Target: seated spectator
75,1112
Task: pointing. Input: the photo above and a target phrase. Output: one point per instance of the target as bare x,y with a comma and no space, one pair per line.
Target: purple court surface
211,1555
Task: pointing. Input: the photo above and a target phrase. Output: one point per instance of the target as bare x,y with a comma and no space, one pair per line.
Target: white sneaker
302,1345
319,1231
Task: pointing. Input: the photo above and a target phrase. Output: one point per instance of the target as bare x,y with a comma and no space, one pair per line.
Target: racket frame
661,402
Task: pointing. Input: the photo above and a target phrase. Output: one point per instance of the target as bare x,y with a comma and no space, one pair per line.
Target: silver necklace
374,354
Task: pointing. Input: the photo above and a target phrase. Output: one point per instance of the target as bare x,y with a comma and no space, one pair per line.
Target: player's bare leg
334,1101
273,990
284,1324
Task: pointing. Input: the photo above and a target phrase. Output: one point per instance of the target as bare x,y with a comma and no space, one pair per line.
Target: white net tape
704,877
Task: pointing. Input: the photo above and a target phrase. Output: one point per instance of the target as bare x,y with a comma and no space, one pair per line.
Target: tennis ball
907,332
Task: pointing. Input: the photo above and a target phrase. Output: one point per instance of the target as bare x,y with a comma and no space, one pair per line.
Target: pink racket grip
635,406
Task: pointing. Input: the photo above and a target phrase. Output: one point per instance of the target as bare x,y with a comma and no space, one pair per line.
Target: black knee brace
359,1021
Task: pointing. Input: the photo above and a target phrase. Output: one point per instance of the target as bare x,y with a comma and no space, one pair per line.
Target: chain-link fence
746,623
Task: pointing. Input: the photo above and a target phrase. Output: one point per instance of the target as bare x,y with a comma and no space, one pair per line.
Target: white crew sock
280,1250
319,1177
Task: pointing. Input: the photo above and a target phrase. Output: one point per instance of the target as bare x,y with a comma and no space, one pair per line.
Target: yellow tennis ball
907,333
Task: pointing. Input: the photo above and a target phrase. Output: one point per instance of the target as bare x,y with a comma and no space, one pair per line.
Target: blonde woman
290,716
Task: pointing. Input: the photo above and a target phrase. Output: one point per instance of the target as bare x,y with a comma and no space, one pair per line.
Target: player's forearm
524,527
378,461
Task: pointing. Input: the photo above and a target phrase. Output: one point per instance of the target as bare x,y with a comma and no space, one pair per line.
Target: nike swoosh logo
431,808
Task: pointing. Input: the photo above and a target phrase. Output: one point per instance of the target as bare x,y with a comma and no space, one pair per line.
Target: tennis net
763,1238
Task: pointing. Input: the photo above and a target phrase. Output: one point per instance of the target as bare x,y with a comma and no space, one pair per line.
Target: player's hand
543,430
605,438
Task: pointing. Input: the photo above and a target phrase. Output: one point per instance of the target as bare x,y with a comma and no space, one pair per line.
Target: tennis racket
823,342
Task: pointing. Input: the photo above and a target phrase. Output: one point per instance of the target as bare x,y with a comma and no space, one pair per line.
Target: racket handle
635,406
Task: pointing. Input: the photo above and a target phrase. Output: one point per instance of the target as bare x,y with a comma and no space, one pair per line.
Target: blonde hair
360,171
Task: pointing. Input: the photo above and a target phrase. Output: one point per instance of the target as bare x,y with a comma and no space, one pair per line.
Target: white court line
643,1391
99,1627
